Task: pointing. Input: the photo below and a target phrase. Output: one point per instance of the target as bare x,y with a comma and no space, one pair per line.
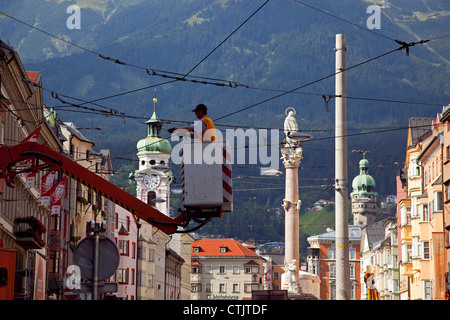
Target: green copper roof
153,142
363,184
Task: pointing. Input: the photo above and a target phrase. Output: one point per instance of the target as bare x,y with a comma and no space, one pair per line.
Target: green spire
363,184
153,143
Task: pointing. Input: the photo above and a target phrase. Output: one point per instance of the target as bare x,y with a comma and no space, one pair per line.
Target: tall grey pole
341,186
96,261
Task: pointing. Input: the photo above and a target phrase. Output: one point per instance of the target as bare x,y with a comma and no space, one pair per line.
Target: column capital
291,156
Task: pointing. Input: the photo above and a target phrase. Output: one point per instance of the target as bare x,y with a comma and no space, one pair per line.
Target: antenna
154,102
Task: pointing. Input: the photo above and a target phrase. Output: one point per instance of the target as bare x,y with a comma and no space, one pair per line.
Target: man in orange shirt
204,129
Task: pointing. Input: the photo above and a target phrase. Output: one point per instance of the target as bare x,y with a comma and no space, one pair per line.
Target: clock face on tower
152,181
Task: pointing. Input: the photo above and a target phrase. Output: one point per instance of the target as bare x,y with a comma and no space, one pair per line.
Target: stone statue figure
291,276
290,126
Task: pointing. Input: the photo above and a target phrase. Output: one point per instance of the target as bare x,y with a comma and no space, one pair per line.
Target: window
332,291
352,291
426,289
222,269
122,275
196,269
222,287
352,270
140,279
437,201
196,287
151,255
124,247
405,216
332,269
250,287
251,269
141,253
150,280
235,269
352,253
208,269
208,287
331,253
414,169
406,253
276,275
223,249
133,250
447,189
424,213
196,249
235,287
426,250
55,222
415,247
150,197
54,261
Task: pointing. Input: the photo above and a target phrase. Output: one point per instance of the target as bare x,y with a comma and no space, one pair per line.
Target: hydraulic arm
45,157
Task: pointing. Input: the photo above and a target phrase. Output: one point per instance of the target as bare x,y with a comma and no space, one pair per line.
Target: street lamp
300,136
271,172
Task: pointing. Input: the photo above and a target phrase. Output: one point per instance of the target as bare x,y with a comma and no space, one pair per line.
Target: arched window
151,196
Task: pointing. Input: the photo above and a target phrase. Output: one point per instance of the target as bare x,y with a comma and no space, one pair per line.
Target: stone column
291,159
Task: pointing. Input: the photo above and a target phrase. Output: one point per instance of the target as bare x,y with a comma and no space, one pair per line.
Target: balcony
405,233
406,269
195,277
28,232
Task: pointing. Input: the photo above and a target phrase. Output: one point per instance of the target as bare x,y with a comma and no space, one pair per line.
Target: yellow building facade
421,232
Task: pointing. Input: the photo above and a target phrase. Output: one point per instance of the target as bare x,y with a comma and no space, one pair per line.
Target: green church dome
153,143
363,184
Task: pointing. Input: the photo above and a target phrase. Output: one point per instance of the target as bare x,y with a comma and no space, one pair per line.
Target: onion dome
363,184
153,143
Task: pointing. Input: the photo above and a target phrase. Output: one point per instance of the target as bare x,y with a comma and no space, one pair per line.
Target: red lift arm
10,156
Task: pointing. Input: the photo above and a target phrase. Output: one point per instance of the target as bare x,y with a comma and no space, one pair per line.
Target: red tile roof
211,248
33,76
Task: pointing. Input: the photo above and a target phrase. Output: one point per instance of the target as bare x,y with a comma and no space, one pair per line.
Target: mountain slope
284,46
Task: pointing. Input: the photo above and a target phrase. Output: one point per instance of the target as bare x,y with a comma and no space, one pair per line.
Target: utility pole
341,186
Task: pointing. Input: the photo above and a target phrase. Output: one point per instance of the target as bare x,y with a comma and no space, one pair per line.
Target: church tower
364,197
154,176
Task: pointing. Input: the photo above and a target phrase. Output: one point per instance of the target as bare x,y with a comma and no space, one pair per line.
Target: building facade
22,115
445,122
224,269
379,260
125,237
321,261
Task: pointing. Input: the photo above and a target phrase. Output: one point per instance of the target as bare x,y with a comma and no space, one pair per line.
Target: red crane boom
11,156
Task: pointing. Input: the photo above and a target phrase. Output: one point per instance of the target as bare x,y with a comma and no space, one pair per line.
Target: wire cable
346,21
405,46
228,37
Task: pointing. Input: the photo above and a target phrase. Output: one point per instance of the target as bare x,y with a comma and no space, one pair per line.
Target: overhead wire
175,76
404,46
344,20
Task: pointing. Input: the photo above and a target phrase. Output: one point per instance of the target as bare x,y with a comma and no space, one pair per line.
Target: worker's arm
198,126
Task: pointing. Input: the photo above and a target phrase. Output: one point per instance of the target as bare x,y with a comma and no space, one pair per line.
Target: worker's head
200,111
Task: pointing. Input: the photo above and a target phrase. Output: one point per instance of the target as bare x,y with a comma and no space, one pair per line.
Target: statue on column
291,276
290,126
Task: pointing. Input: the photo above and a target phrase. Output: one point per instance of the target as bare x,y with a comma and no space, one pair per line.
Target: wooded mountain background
285,45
